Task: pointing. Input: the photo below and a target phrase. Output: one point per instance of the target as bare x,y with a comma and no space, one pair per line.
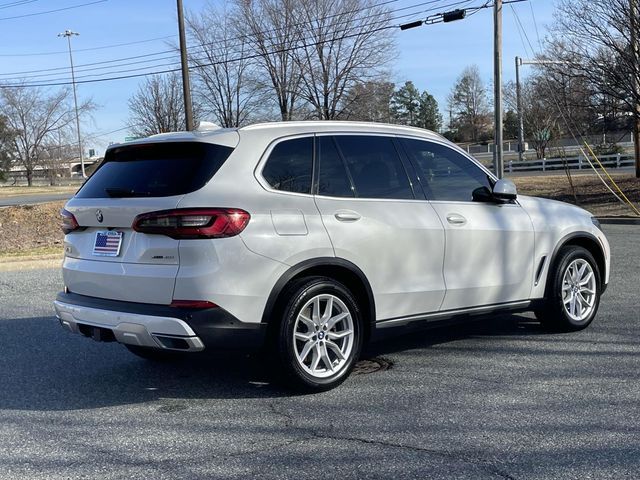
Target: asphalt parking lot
496,399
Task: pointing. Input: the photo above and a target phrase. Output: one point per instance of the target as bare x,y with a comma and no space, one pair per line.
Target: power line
62,82
53,11
248,57
16,3
79,69
103,47
173,36
193,59
200,46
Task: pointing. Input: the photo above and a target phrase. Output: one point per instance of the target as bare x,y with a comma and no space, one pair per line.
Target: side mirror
505,190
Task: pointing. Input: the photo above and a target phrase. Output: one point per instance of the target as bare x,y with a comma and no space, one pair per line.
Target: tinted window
290,165
155,170
375,167
445,173
332,176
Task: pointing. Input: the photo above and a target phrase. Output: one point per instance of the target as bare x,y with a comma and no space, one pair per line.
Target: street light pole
69,34
497,80
186,87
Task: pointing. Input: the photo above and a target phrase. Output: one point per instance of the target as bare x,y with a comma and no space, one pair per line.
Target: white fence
619,160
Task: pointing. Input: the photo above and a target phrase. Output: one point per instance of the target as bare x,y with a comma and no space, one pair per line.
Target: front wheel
320,336
573,292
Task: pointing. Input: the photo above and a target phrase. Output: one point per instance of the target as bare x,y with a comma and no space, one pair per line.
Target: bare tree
369,101
567,92
157,106
6,144
540,116
270,29
223,68
340,44
594,38
34,114
58,152
469,105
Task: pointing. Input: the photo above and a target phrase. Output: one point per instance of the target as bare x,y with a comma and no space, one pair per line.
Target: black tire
289,368
155,354
552,313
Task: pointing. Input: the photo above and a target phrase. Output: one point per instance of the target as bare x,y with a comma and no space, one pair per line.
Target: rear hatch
105,257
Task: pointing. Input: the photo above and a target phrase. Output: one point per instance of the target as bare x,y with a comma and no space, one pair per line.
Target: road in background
495,399
34,199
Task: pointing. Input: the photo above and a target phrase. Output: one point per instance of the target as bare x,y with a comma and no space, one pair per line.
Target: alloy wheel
323,336
579,290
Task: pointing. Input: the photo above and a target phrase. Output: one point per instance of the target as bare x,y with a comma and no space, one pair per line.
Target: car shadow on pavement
426,335
42,367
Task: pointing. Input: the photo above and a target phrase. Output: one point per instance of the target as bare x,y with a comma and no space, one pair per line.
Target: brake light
191,223
69,222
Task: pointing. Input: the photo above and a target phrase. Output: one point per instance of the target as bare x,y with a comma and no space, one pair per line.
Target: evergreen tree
428,114
410,107
510,125
405,104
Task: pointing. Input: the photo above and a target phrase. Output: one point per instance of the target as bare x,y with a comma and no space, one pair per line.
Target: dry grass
590,193
30,230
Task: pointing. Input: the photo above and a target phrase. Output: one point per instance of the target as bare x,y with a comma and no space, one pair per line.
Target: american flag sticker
107,244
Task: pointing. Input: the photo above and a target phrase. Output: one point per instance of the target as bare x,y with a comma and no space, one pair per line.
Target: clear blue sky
431,56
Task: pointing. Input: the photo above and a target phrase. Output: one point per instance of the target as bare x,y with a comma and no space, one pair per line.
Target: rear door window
155,170
290,165
375,166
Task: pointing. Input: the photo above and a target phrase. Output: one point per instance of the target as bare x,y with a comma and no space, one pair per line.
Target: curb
619,220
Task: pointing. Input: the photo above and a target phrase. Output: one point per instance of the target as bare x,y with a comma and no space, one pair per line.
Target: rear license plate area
107,243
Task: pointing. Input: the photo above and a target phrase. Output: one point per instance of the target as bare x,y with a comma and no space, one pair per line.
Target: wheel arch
587,241
339,269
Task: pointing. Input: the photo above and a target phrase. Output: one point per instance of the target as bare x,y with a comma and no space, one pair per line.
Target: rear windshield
155,170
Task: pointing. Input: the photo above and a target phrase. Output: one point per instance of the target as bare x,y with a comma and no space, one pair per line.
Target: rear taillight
69,222
189,223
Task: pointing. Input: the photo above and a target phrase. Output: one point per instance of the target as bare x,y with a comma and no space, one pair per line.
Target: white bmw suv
310,238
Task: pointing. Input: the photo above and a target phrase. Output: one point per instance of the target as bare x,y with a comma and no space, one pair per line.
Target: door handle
456,219
347,216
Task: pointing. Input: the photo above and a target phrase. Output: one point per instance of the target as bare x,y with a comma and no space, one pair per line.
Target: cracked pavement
499,398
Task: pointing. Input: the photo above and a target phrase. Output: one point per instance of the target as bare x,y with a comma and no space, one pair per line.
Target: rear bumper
157,326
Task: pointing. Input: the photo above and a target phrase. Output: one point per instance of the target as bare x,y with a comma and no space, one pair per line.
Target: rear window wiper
117,192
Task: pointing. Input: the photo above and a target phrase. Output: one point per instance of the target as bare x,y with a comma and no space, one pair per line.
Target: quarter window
290,165
445,174
375,167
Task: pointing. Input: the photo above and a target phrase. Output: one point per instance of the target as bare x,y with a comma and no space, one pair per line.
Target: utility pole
520,115
186,86
497,80
69,34
633,22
